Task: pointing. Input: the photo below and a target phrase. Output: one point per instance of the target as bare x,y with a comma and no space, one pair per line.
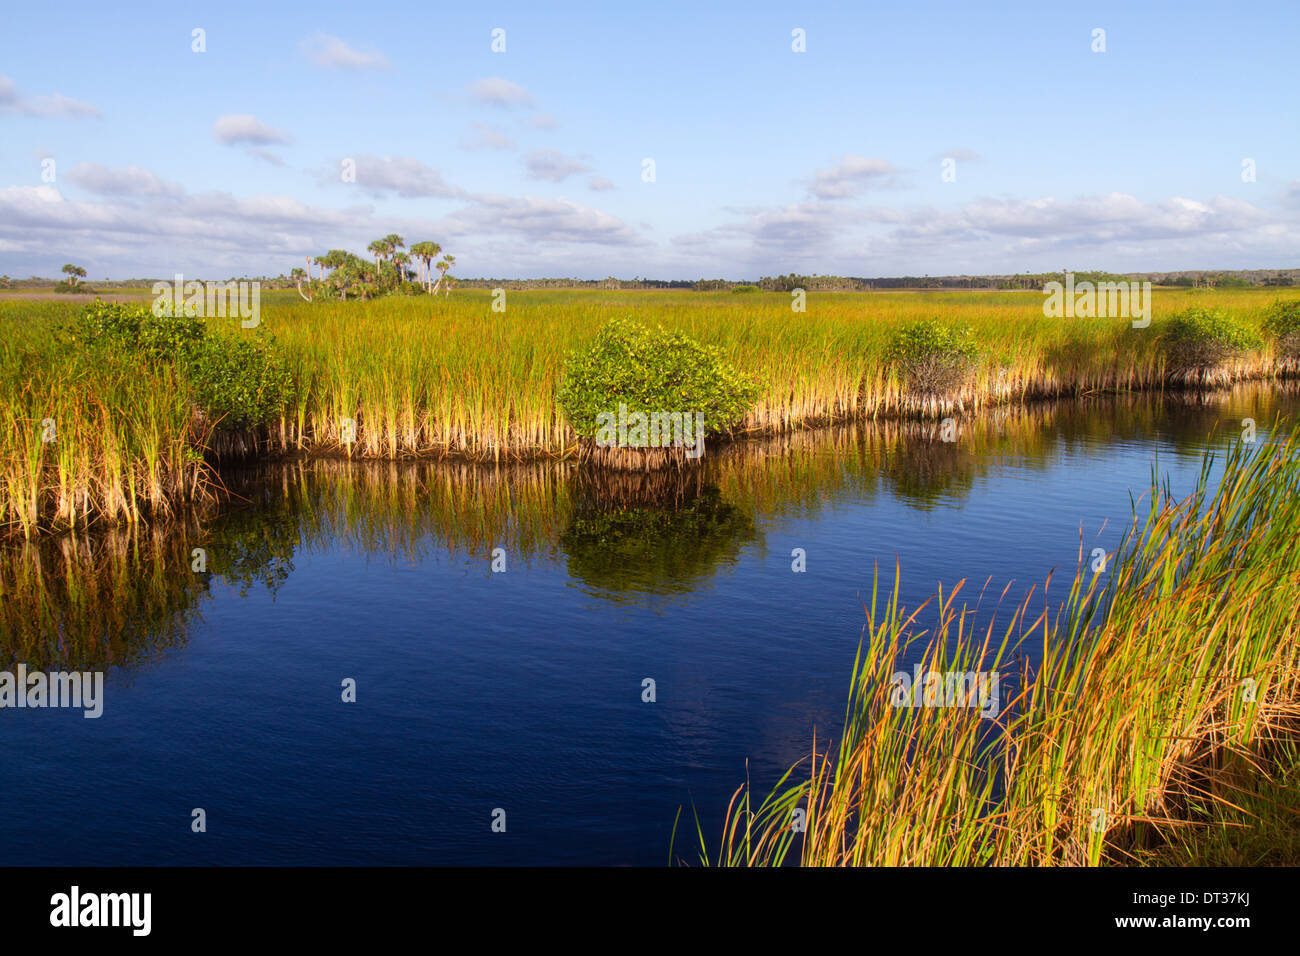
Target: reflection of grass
87,603
654,550
1150,694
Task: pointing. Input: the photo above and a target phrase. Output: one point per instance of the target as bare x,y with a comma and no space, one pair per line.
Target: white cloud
247,128
12,101
552,165
123,181
403,175
541,220
332,53
961,154
485,136
850,176
501,93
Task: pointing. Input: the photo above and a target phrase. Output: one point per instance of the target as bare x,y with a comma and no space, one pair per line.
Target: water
523,690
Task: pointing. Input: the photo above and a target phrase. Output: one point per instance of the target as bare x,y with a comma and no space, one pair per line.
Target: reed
410,377
1129,699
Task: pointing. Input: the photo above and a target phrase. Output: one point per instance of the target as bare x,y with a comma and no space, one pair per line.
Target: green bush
651,370
239,379
743,289
933,357
134,328
1198,339
1282,321
66,286
242,382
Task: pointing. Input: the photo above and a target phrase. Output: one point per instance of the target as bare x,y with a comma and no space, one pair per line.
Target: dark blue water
522,690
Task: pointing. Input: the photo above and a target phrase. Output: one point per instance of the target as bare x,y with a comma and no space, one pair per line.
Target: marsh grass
406,377
1136,704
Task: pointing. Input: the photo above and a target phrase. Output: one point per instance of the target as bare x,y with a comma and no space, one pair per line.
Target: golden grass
420,377
1129,697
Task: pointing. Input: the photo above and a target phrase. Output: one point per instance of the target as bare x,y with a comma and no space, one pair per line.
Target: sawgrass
1128,701
416,377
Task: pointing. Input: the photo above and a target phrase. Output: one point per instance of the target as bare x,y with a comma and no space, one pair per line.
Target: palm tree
297,275
426,252
443,264
379,249
74,273
401,260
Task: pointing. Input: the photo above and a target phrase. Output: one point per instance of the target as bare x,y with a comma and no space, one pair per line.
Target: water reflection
657,533
121,597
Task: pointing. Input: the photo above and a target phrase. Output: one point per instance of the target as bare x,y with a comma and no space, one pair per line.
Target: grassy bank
415,377
1133,705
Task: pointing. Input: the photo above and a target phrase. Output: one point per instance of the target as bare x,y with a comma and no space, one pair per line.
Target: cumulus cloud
123,181
331,53
552,165
247,128
850,176
541,220
13,101
599,184
501,93
404,176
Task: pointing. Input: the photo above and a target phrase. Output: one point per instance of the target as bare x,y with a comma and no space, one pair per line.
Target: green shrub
239,379
933,357
66,286
651,370
1282,321
744,289
134,328
1199,339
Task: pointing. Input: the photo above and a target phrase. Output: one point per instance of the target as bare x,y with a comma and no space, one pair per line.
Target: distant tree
443,264
297,275
401,260
74,273
425,253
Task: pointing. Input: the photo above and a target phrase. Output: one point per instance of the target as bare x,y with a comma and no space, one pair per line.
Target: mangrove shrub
933,357
240,380
1197,340
648,371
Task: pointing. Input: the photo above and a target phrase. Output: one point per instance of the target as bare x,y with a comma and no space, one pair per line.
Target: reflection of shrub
933,356
239,380
1198,340
1282,321
651,370
654,550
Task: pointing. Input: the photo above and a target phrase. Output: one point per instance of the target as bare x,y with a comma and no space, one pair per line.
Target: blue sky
529,162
